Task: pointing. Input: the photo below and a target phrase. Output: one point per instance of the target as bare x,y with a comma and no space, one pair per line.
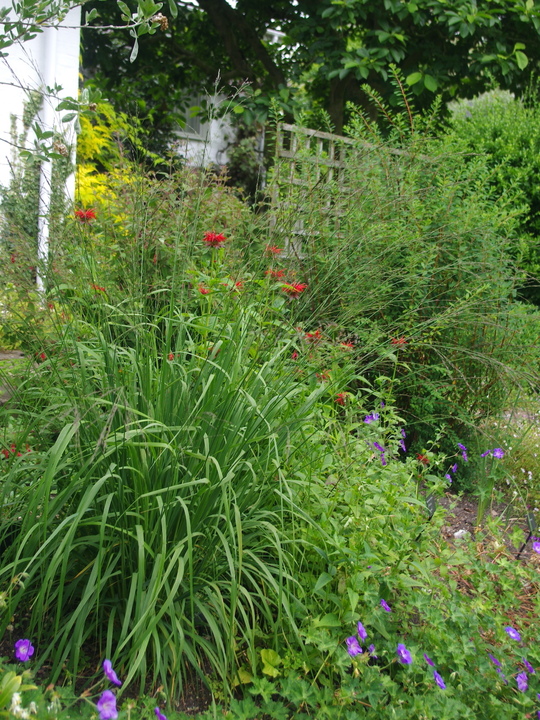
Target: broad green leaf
521,59
173,8
413,78
135,51
270,660
430,83
324,579
92,15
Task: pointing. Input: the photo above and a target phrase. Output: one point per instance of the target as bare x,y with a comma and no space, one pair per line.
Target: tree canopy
327,50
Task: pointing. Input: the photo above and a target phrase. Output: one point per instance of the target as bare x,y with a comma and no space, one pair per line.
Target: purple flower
503,677
373,417
494,660
362,632
536,546
402,445
498,453
403,433
404,656
448,477
159,714
107,706
513,633
23,650
528,666
454,468
429,660
521,679
488,452
371,651
383,459
109,672
379,447
438,679
353,646
463,451
385,606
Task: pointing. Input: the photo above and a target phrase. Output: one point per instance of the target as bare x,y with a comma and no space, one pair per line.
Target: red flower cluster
314,336
347,345
399,341
203,290
294,289
171,356
41,356
273,250
322,376
341,398
12,451
213,239
85,216
276,274
98,288
423,459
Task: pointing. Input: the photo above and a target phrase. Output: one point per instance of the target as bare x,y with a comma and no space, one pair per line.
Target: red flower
314,336
5,453
171,356
399,341
341,398
423,459
294,356
13,258
276,274
203,290
239,285
85,216
41,356
321,377
347,345
98,288
213,239
273,250
294,289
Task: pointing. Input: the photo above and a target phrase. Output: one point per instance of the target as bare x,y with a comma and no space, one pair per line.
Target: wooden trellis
308,187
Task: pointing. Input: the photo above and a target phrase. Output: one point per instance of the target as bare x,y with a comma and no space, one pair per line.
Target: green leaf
324,579
270,660
92,15
328,620
173,8
135,51
69,117
521,59
124,8
413,78
430,83
238,109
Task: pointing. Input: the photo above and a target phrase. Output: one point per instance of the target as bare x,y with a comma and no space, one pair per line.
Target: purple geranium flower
536,546
494,660
402,445
403,433
488,452
362,632
404,656
383,459
379,447
353,646
159,714
429,660
371,651
513,633
454,468
438,679
528,666
463,451
521,679
503,676
385,606
498,453
448,477
23,650
372,417
106,706
109,672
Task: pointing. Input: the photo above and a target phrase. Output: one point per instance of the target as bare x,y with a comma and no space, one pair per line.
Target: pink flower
213,239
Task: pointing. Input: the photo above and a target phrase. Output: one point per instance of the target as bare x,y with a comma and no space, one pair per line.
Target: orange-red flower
341,398
85,216
273,250
399,341
171,356
203,290
423,459
347,345
276,274
214,239
294,289
314,336
97,288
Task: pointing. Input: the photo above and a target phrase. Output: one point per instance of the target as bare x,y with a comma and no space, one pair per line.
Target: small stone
460,534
